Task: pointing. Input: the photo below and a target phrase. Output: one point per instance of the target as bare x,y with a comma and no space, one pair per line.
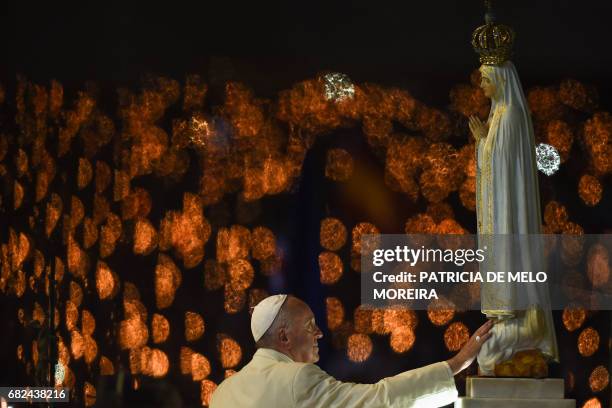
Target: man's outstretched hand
467,354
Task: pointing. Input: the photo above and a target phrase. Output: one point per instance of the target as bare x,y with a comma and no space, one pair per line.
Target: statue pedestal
488,392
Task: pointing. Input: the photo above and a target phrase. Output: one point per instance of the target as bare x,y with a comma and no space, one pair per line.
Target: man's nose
318,333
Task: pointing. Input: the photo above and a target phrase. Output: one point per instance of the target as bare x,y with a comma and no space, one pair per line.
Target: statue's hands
478,128
468,353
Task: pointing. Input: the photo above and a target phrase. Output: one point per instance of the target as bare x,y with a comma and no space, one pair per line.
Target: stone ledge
510,388
514,403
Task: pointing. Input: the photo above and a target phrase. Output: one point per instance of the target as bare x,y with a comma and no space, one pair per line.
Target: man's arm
429,386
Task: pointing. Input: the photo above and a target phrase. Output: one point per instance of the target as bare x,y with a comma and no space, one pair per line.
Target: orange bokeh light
358,231
230,352
335,312
194,326
573,317
455,336
332,234
160,328
186,231
592,403
598,265
53,213
106,366
207,388
121,186
110,234
599,378
256,295
359,347
560,136
331,268
103,176
88,322
18,193
241,274
200,367
167,279
555,216
107,283
590,190
363,320
185,360
77,344
78,261
233,243
399,316
72,315
154,362
145,237
214,275
133,333
440,311
263,243
402,339
90,349
84,173
588,342
339,165
234,300
89,394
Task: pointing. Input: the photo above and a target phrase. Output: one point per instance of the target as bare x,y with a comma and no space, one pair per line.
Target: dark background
421,45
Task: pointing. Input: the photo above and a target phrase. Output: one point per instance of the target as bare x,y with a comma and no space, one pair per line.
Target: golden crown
493,41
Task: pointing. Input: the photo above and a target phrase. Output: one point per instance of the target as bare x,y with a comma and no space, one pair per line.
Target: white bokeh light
338,87
547,158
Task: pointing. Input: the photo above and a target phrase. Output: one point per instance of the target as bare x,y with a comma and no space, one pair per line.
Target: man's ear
282,335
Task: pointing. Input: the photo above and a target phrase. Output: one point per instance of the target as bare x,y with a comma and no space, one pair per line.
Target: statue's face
487,86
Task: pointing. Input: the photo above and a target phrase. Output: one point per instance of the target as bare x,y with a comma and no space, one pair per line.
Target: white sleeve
427,387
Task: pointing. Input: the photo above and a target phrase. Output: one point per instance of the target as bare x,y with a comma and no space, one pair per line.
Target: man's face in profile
303,334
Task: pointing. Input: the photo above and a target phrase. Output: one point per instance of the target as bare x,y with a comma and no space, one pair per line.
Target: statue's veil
508,203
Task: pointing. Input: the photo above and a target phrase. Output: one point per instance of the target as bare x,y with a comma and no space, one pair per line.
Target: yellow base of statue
526,364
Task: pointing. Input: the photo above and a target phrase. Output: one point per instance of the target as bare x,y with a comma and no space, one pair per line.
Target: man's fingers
485,337
485,327
482,338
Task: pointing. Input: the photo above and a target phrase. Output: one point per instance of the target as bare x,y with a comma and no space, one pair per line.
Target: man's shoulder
262,381
308,372
284,369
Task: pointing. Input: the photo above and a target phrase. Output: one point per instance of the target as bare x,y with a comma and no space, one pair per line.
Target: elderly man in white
282,372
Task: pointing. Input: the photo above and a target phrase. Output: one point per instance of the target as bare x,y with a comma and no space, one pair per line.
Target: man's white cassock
272,379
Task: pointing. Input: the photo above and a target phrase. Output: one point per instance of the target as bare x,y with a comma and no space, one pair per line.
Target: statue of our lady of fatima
508,204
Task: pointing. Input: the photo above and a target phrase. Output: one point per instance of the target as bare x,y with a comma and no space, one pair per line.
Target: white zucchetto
264,314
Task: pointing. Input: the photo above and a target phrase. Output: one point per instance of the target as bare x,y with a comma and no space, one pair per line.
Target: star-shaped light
547,158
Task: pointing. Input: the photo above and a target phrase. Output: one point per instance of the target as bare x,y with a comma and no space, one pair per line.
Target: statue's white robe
508,202
272,379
